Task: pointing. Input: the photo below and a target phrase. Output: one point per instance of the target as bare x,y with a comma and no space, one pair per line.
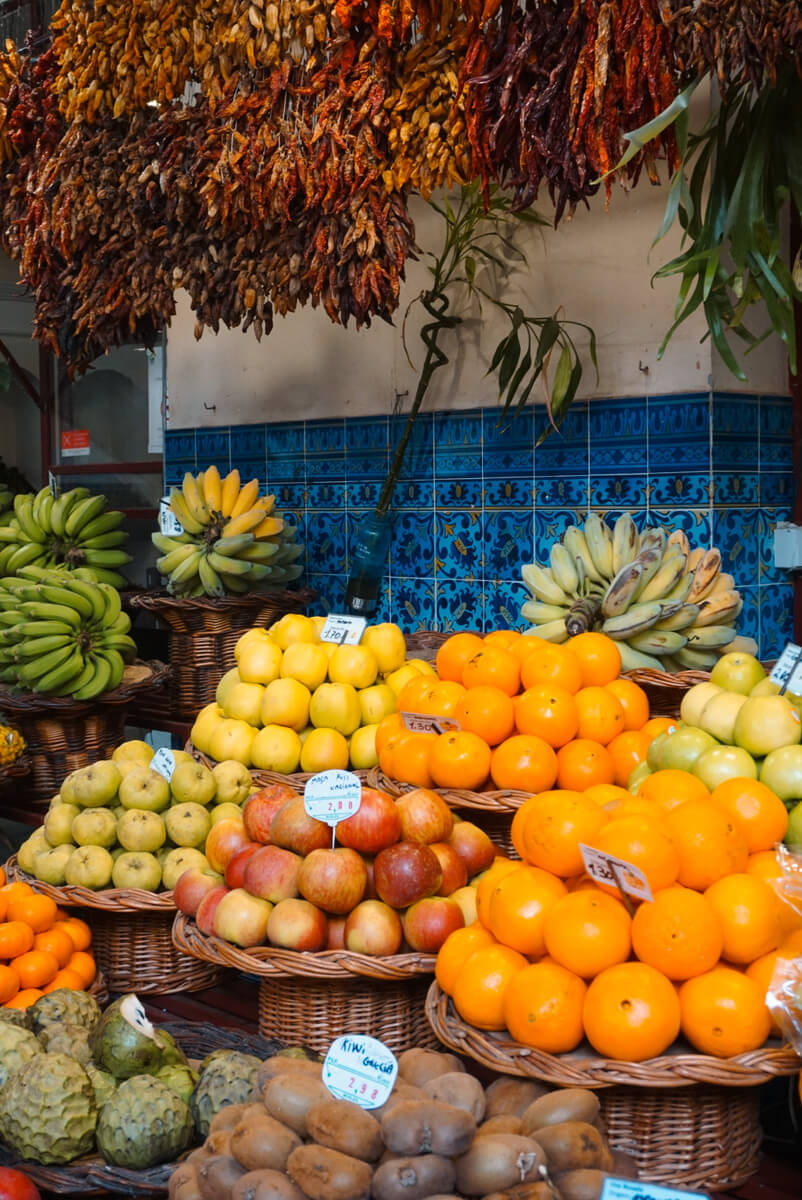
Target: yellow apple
336,706
423,667
252,637
226,684
206,722
276,748
356,665
307,662
363,748
387,643
293,627
397,679
221,812
232,739
244,702
318,623
134,751
260,662
323,750
180,756
376,703
286,702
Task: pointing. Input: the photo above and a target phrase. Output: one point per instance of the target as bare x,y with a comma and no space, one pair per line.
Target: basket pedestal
135,952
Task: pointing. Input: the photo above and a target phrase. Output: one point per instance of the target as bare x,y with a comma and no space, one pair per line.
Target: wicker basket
203,634
498,801
665,690
131,937
314,998
11,773
62,734
99,989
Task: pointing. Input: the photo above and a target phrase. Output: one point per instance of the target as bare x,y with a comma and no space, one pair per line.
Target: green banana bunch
74,530
70,636
231,542
667,606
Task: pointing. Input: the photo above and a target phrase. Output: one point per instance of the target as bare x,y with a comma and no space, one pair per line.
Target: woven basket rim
297,780
109,900
583,1068
267,961
676,681
502,800
22,703
17,769
164,602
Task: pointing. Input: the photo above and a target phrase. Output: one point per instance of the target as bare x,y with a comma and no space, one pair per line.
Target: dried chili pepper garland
738,41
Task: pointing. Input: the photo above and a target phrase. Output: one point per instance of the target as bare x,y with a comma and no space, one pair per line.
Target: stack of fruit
530,714
293,700
61,635
399,878
229,540
42,950
120,823
669,607
75,531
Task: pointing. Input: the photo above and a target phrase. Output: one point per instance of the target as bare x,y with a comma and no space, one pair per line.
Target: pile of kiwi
440,1136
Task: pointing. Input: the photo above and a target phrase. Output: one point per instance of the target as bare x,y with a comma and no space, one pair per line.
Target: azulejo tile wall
477,498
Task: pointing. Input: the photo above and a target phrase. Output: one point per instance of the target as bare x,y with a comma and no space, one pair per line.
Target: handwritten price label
360,1069
606,868
634,1189
163,762
345,630
424,723
333,796
169,523
787,671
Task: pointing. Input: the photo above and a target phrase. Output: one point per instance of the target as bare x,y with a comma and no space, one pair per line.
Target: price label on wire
333,796
787,671
163,762
360,1069
424,723
343,629
635,1189
169,523
616,872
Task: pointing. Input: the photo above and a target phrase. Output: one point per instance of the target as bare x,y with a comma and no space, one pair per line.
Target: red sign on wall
74,442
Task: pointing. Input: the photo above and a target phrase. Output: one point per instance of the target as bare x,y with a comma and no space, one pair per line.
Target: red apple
242,918
376,824
373,928
370,886
272,874
293,829
455,874
473,846
336,939
223,841
333,879
428,923
14,1185
466,898
193,884
235,871
297,925
262,806
406,872
204,915
425,817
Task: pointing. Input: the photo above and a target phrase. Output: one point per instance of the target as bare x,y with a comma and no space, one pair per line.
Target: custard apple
144,1123
17,1047
105,1085
67,1039
229,1078
21,1017
47,1110
181,1079
65,1007
125,1043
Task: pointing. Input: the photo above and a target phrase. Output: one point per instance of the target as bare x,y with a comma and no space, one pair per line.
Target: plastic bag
784,1000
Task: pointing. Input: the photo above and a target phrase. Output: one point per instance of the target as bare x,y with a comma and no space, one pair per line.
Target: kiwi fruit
218,1142
501,1124
401,1091
262,1142
288,1098
512,1097
582,1184
229,1116
343,1126
271,1068
217,1176
419,1066
574,1144
265,1185
566,1104
428,1127
413,1178
542,1190
325,1174
183,1183
497,1162
460,1090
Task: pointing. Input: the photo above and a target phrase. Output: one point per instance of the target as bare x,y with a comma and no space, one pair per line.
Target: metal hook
641,367
210,407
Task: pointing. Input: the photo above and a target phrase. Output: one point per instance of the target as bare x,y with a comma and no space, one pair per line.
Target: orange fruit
549,712
583,763
84,965
36,968
79,931
486,711
459,760
518,824
671,788
15,938
543,1008
505,639
710,844
679,933
631,1012
549,664
640,841
765,865
518,907
35,910
66,978
388,727
409,758
413,694
632,806
447,695
58,942
634,702
587,931
657,725
2,876
486,886
493,667
724,1013
557,822
9,983
12,890
607,793
749,914
524,763
761,972
24,998
454,654
455,952
3,907
628,750
601,716
793,941
599,658
480,986
762,814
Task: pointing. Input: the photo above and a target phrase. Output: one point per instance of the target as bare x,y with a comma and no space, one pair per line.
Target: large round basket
203,634
131,937
313,998
664,689
688,1119
298,780
62,734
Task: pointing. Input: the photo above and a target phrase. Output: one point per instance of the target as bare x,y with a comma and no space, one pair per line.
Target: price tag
163,762
606,868
52,483
169,523
74,443
360,1069
333,796
635,1189
344,629
787,670
423,723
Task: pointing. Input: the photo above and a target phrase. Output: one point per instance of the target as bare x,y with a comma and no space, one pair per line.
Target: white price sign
333,796
424,723
616,872
787,671
635,1189
343,629
169,523
360,1069
163,762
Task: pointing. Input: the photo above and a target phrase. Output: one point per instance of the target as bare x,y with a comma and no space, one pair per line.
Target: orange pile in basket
41,947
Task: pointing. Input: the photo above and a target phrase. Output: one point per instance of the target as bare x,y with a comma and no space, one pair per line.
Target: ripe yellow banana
626,542
229,492
244,523
268,527
212,489
704,575
193,496
248,495
709,637
717,610
671,571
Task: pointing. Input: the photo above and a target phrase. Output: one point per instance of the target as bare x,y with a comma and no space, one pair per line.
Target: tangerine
556,824
410,759
11,890
35,968
9,983
16,938
486,885
414,694
599,658
505,639
583,763
640,841
24,998
601,716
66,978
481,983
455,653
549,712
459,760
672,787
455,952
628,750
79,931
486,711
387,753
761,972
387,728
84,965
58,942
634,702
587,931
518,907
724,1013
762,814
710,843
523,763
657,725
607,794
543,1008
548,663
750,916
631,1012
679,933
518,824
35,910
493,667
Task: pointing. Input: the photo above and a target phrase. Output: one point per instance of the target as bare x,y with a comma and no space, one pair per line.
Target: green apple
719,714
92,786
695,699
232,781
192,782
145,789
141,830
782,772
187,824
50,866
137,870
221,812
737,672
180,860
95,827
724,762
767,723
58,823
89,867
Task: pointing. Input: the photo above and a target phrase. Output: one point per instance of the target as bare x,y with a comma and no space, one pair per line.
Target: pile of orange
42,948
531,715
555,957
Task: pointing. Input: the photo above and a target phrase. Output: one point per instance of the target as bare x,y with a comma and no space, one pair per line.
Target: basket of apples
341,925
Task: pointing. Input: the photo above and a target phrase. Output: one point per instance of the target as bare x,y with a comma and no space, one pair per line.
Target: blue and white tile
748,620
776,488
736,488
507,493
286,468
766,522
328,494
503,600
409,493
176,469
363,434
776,619
550,526
679,433
508,462
565,450
363,495
460,605
458,464
508,536
179,443
284,438
370,464
461,429
459,493
289,495
458,544
330,592
776,417
617,491
675,490
325,541
619,420
412,547
514,429
553,492
247,441
325,466
325,437
418,456
735,532
412,602
695,522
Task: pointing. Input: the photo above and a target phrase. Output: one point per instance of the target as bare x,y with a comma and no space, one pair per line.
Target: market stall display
74,530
